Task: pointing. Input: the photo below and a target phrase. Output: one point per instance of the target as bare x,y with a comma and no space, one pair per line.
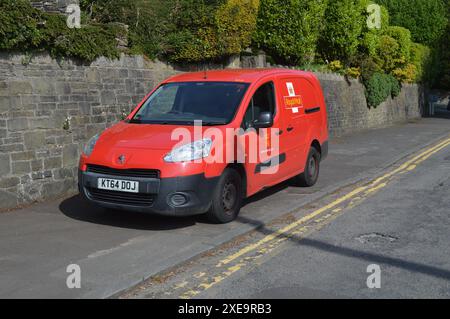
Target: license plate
118,185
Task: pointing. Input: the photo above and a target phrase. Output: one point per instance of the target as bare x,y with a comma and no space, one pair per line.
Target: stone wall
38,157
39,153
53,5
348,111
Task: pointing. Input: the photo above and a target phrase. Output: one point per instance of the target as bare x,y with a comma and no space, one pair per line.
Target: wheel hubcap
312,167
229,196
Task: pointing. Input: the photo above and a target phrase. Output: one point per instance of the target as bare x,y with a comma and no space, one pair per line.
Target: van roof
234,75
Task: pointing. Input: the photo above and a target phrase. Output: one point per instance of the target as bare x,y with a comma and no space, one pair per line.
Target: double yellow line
371,187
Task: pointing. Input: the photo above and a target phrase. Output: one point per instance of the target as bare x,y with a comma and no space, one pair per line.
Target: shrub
236,23
25,28
370,43
426,19
106,11
396,86
335,66
289,31
368,68
420,58
353,72
406,74
380,87
87,43
19,25
344,22
211,30
403,38
388,54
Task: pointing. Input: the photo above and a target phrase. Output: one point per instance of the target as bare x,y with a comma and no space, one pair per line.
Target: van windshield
213,103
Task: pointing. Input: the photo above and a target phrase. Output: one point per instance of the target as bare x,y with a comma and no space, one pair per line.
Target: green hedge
343,27
24,28
426,19
182,30
289,30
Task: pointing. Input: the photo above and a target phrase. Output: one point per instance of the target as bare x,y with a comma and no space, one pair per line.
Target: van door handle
290,129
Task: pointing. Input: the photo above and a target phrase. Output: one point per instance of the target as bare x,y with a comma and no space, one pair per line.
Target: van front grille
124,198
140,173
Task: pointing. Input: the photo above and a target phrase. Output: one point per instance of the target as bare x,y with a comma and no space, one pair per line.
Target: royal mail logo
293,101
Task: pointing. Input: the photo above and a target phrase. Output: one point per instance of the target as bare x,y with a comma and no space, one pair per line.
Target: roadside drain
376,239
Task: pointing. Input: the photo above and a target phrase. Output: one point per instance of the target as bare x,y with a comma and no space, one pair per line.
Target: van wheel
227,198
311,174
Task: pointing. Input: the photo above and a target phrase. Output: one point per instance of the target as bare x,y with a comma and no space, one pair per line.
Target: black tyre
227,198
311,174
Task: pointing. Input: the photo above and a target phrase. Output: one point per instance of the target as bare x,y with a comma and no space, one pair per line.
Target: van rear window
214,103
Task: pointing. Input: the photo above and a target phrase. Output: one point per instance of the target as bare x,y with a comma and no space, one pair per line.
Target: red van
202,142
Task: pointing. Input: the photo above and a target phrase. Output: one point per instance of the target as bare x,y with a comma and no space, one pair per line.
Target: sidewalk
117,250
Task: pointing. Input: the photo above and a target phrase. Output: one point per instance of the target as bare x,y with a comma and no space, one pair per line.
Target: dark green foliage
25,28
380,87
289,30
87,43
19,25
426,19
343,27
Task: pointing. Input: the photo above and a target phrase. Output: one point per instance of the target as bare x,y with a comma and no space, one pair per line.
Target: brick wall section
38,158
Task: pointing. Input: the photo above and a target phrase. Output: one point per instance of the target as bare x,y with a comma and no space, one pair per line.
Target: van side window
262,101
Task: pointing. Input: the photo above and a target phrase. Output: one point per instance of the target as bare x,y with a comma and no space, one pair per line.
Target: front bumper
154,194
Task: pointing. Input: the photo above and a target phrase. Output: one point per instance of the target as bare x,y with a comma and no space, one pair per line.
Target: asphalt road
404,229
117,250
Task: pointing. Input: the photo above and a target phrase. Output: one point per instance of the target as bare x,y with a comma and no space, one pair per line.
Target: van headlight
190,152
89,147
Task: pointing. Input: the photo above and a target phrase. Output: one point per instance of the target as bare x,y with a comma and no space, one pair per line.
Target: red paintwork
146,145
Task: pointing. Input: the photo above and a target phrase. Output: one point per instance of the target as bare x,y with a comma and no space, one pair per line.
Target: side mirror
265,120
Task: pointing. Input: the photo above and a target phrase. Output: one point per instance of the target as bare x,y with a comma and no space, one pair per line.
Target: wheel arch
242,172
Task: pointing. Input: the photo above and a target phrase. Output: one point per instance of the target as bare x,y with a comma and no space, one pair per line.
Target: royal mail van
203,142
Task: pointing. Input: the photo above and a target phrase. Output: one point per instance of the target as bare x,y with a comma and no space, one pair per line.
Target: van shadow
79,209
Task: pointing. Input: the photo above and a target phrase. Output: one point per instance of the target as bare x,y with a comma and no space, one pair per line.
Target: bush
403,38
211,30
19,25
289,31
25,28
426,19
353,72
388,54
236,23
336,66
344,22
380,87
420,58
87,43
